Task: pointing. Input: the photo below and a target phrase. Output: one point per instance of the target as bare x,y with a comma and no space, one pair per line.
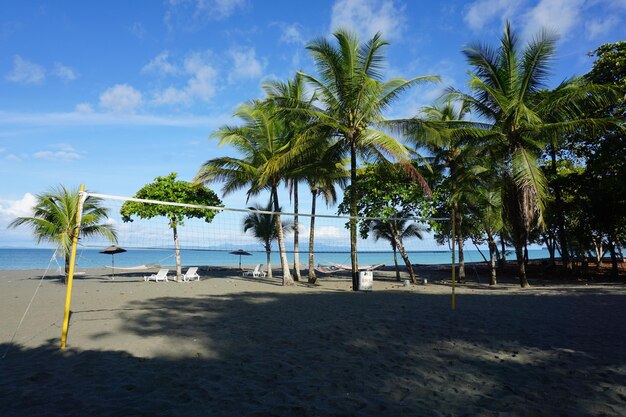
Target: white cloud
12,157
292,33
200,86
245,64
121,98
64,72
558,16
56,156
595,28
161,65
10,209
26,72
108,119
190,13
84,108
481,12
366,17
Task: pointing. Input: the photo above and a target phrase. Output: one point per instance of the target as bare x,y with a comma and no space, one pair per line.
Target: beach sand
233,346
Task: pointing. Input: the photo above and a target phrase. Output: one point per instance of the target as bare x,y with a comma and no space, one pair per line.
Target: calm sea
91,258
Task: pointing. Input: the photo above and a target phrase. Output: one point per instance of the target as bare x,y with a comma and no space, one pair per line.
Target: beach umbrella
112,250
240,252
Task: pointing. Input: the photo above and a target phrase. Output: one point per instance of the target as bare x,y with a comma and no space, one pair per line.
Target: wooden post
70,278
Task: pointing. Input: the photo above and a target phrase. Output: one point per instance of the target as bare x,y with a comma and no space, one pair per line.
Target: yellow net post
453,259
70,277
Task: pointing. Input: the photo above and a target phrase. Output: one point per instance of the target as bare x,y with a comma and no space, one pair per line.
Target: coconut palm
352,98
322,175
263,228
54,220
263,142
394,231
296,123
506,91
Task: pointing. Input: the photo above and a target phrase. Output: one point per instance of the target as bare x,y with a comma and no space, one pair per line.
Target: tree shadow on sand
382,354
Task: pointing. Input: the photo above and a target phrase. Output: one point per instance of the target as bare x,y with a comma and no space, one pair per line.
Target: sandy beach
233,346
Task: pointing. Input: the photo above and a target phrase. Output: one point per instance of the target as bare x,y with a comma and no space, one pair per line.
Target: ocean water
91,258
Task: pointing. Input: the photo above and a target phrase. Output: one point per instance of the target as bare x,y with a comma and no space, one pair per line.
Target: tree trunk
353,214
176,251
406,260
526,255
613,253
548,239
597,246
492,259
560,216
502,259
296,249
519,253
312,275
268,253
618,244
67,268
460,242
395,261
284,263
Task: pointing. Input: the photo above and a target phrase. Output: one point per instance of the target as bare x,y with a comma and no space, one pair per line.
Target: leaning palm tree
352,98
54,220
263,141
395,230
263,228
506,85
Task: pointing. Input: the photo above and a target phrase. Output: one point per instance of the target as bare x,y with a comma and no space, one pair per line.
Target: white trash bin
366,280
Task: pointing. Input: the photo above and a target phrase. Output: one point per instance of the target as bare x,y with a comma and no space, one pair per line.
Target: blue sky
113,94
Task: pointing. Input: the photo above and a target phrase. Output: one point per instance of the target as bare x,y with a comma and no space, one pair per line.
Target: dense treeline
511,160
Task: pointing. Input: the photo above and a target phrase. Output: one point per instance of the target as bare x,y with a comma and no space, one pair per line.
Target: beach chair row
162,275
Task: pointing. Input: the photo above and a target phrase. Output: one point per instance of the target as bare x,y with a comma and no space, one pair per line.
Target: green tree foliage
170,189
352,98
54,220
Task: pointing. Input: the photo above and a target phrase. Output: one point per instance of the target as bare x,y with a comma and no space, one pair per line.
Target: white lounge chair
159,276
191,274
256,272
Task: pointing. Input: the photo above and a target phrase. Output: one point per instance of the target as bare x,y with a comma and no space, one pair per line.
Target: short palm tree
54,220
352,98
506,91
263,228
394,231
263,142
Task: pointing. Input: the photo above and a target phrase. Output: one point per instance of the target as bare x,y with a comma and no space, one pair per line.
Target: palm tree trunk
492,259
461,260
613,253
353,214
296,249
406,260
176,250
287,279
502,259
312,275
519,253
268,252
67,268
395,261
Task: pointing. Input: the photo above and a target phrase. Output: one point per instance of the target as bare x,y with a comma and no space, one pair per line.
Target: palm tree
263,228
506,88
296,123
352,98
322,174
54,220
263,141
395,230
